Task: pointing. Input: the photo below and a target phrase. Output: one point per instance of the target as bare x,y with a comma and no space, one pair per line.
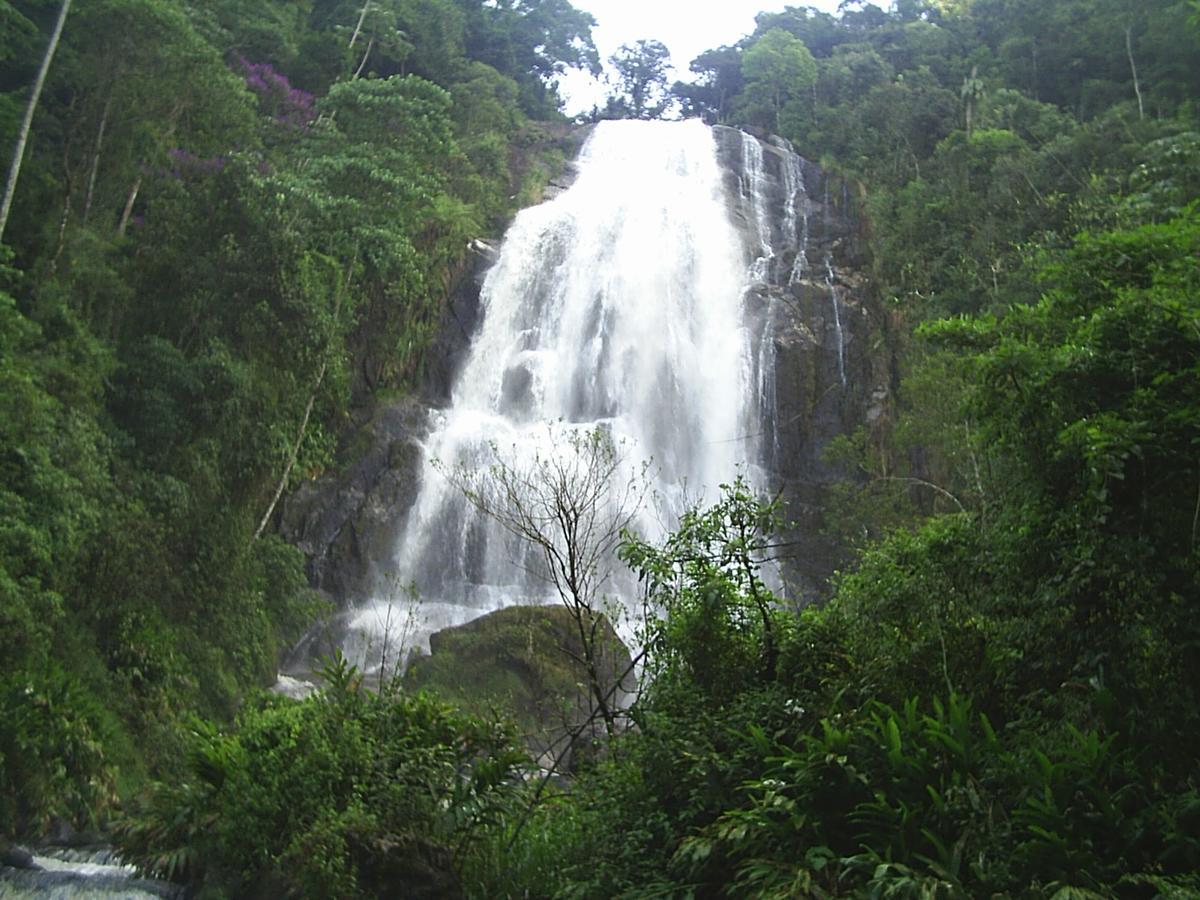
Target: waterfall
88,874
757,190
837,319
754,193
621,304
796,210
753,184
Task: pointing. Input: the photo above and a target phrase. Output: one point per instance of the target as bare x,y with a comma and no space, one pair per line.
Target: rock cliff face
345,522
826,371
831,362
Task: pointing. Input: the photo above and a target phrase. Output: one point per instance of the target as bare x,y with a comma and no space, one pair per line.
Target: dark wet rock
17,858
561,182
346,522
459,321
408,866
832,369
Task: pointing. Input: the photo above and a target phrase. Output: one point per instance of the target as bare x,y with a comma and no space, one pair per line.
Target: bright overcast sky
686,27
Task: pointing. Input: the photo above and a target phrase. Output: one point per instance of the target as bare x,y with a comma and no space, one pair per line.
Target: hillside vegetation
233,221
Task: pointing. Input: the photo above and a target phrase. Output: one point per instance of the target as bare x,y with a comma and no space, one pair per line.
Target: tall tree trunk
1036,92
167,135
128,211
972,90
362,16
588,641
14,168
68,199
293,456
1137,88
366,55
95,168
343,289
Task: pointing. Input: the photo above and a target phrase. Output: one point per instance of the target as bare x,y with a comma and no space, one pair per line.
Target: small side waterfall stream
837,319
621,304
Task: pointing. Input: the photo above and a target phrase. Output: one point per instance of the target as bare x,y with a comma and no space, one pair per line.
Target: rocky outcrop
528,661
346,522
459,320
829,369
407,865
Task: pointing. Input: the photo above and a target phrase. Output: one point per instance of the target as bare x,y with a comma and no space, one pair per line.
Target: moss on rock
524,661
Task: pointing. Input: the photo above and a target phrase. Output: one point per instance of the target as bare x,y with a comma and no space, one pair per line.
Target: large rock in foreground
527,661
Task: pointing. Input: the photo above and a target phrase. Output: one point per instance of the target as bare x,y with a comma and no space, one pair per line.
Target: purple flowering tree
289,107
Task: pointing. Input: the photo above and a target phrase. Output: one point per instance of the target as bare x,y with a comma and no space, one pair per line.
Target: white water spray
837,319
754,195
619,304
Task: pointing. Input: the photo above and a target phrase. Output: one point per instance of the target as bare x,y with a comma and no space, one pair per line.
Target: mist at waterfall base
621,305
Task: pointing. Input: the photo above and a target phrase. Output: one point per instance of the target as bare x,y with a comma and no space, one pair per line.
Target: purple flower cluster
185,163
287,106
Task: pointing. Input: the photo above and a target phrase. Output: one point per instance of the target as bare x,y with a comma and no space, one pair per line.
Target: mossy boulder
527,662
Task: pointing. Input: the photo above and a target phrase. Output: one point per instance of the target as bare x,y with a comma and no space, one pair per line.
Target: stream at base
61,873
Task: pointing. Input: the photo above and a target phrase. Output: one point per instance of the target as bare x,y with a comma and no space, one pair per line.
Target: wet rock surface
346,522
832,361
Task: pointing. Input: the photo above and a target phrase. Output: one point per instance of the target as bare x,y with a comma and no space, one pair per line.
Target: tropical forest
779,478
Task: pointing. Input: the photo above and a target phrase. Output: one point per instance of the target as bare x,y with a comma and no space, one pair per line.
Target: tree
532,42
778,70
972,92
714,620
573,503
642,79
14,166
850,73
383,169
719,80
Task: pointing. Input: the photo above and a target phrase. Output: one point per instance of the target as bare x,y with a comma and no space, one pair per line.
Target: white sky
686,27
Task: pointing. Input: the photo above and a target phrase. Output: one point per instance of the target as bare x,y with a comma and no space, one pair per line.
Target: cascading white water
618,304
63,873
837,319
753,188
756,189
796,209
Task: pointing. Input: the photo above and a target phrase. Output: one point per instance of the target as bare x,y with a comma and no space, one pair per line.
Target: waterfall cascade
837,319
676,296
625,303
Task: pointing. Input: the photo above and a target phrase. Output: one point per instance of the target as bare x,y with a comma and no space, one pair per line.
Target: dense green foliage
348,794
234,220
999,699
